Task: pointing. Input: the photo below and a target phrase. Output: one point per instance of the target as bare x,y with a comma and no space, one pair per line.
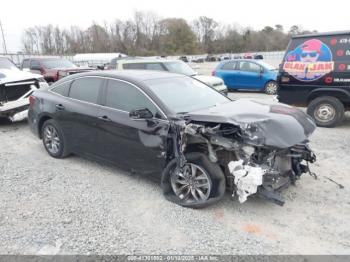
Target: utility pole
3,39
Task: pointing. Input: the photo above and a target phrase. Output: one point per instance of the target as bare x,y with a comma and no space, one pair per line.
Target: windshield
7,64
58,63
185,94
180,68
267,66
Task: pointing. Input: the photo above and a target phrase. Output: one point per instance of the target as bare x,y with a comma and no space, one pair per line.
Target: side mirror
262,70
142,113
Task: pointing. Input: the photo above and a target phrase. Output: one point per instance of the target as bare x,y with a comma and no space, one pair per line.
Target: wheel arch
41,122
342,95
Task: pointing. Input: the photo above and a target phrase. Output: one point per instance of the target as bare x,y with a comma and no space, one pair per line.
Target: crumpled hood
8,75
276,124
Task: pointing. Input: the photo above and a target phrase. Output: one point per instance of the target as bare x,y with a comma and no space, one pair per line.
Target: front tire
201,183
53,139
327,111
271,88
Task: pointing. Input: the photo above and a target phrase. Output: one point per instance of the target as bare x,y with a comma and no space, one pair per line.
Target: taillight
213,73
31,100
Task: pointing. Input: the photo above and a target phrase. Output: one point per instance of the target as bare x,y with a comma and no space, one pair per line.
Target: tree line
147,34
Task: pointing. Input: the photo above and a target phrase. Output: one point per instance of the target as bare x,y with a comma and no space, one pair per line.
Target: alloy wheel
271,88
51,139
192,184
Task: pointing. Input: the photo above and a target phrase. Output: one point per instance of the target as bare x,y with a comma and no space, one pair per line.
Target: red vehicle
52,69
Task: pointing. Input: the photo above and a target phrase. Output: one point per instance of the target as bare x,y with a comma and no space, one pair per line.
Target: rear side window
134,66
126,97
25,63
62,89
86,89
229,66
155,66
249,67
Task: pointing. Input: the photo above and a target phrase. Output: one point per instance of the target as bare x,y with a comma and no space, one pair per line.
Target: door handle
59,107
104,118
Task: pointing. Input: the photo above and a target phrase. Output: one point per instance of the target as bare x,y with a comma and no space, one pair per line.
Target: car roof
257,61
44,58
143,60
322,34
133,76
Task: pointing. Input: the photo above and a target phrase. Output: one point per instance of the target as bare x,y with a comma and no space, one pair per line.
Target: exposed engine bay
14,98
255,159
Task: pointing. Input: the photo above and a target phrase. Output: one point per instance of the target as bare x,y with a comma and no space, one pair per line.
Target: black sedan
197,142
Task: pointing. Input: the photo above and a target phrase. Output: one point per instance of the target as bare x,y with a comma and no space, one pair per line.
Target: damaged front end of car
14,97
260,150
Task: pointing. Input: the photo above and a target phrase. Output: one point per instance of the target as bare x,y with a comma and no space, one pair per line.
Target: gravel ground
76,206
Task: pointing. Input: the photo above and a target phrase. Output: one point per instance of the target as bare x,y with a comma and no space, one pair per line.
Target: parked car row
314,73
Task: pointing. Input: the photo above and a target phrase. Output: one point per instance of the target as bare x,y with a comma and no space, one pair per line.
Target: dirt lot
76,206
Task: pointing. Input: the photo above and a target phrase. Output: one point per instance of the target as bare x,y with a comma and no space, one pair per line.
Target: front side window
34,65
58,63
249,67
86,89
154,66
136,66
180,68
229,66
25,64
126,97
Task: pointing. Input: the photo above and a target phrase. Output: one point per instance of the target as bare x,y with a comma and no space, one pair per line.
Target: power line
3,38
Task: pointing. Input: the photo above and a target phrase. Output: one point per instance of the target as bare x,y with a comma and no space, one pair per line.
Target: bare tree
148,34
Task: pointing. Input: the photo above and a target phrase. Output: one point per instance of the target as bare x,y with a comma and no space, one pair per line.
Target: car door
249,75
81,112
228,73
137,145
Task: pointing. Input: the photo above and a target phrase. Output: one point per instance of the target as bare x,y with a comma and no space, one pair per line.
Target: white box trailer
95,59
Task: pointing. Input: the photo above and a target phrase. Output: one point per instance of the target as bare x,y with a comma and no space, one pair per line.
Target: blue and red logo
309,61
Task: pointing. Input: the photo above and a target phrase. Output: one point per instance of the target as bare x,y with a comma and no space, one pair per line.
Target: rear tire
53,139
327,111
210,173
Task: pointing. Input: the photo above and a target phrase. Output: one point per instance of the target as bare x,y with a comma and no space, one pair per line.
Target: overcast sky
320,15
